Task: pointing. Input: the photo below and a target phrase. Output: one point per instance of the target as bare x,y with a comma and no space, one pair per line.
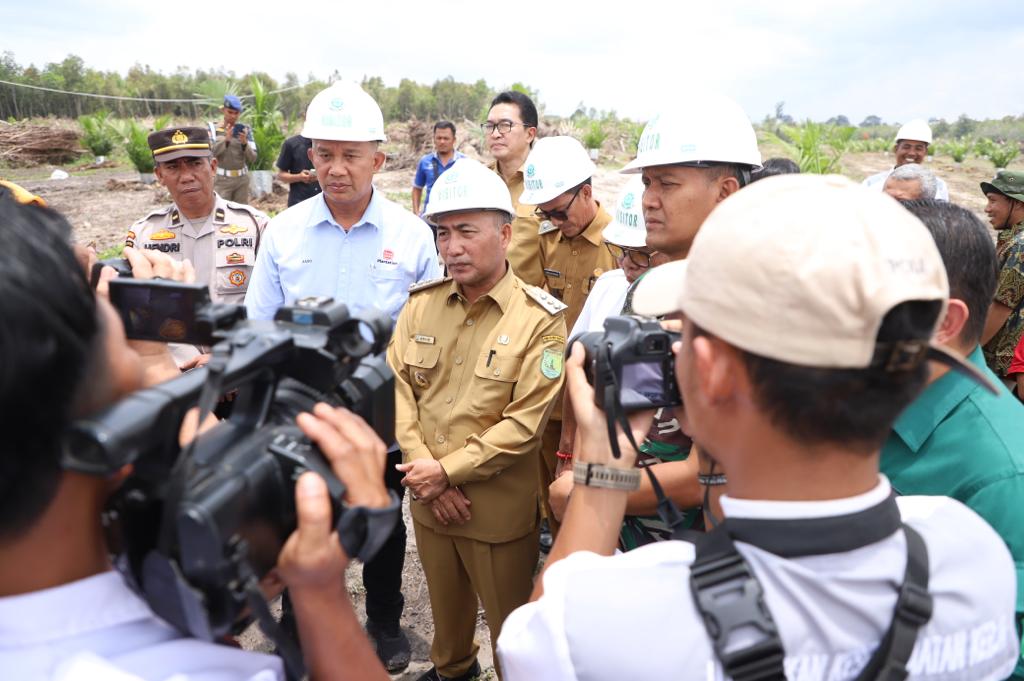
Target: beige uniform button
469,322
448,400
497,372
458,360
440,439
575,252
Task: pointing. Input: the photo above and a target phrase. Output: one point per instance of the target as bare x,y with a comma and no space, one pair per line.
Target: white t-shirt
98,628
604,300
877,181
631,616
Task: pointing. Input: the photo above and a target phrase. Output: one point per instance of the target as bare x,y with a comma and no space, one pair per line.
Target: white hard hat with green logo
344,112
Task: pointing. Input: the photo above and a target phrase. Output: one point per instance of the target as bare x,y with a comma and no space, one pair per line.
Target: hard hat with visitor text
555,165
628,228
344,112
468,185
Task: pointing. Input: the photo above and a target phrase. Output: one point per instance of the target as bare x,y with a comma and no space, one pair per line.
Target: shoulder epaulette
159,211
428,283
547,227
547,301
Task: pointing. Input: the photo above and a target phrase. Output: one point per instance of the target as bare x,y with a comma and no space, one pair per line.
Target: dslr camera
629,364
195,528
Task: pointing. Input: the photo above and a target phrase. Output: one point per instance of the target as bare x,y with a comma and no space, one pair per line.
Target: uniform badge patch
421,379
504,340
235,259
162,235
553,339
233,229
237,277
130,236
551,363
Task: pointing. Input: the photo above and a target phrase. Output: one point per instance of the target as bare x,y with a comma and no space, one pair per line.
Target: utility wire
136,99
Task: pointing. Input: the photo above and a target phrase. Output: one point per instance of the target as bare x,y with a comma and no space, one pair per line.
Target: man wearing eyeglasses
572,254
509,131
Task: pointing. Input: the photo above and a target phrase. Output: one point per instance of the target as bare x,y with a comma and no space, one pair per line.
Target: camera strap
287,648
730,598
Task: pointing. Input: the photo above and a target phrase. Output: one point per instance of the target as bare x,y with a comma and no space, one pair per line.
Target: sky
897,60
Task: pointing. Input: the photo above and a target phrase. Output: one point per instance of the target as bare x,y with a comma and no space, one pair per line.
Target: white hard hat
709,127
468,185
628,228
555,165
917,130
344,112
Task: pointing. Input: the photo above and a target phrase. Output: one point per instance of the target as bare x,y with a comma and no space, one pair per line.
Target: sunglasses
560,215
636,256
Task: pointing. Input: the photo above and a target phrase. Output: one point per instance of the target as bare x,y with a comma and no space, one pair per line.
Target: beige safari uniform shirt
524,249
230,153
572,266
222,247
475,385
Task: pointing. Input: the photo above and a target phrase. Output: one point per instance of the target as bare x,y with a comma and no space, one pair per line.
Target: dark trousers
382,576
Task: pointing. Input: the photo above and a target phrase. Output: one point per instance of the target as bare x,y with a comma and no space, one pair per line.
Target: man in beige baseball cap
802,342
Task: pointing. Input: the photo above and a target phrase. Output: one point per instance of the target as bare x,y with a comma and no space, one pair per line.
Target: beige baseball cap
802,269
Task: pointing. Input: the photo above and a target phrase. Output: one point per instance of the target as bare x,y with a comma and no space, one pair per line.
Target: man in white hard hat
509,131
477,358
690,158
352,244
557,180
911,146
818,570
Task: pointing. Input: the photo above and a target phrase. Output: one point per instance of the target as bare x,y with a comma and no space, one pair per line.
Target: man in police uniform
478,364
817,563
510,129
234,148
572,252
219,237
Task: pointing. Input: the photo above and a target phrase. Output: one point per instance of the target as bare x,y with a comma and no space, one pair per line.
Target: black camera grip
363,531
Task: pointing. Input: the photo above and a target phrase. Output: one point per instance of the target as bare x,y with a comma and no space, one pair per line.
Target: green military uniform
475,384
1010,289
958,440
233,157
222,246
524,251
570,266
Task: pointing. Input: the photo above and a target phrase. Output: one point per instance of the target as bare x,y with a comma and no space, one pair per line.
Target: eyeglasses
504,127
636,256
560,215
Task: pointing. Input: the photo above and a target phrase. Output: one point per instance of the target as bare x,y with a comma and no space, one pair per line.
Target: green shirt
958,440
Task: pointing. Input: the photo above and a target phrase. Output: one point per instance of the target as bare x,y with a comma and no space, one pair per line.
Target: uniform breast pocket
421,362
494,378
233,267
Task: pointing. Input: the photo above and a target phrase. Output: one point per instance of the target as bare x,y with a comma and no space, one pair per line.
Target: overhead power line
136,99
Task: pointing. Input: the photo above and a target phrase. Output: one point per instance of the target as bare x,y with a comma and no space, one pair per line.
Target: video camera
194,528
629,364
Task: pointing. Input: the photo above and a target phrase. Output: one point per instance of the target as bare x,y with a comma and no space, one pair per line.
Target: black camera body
194,528
631,362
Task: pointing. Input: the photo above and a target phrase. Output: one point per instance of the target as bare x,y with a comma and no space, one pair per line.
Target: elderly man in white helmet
557,180
477,358
352,244
819,570
911,146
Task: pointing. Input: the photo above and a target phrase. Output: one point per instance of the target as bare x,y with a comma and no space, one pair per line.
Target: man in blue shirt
352,244
957,439
432,165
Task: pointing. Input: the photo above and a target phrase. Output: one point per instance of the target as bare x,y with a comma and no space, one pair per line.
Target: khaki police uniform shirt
523,251
230,153
475,384
572,266
222,247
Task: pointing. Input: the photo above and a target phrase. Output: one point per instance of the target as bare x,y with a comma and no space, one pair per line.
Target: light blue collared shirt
305,252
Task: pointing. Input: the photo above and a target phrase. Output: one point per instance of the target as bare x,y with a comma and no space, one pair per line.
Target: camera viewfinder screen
642,385
163,313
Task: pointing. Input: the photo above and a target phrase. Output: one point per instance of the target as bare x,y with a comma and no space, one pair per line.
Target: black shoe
432,675
392,646
546,540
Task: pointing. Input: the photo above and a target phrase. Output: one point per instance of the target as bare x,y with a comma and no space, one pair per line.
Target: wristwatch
597,475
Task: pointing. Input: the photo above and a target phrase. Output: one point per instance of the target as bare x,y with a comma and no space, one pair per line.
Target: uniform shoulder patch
547,227
428,283
159,212
546,300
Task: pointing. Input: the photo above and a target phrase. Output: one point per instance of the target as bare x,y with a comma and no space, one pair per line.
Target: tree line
446,98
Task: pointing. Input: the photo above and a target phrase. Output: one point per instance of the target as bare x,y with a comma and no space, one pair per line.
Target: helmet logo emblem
530,170
337,104
627,201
